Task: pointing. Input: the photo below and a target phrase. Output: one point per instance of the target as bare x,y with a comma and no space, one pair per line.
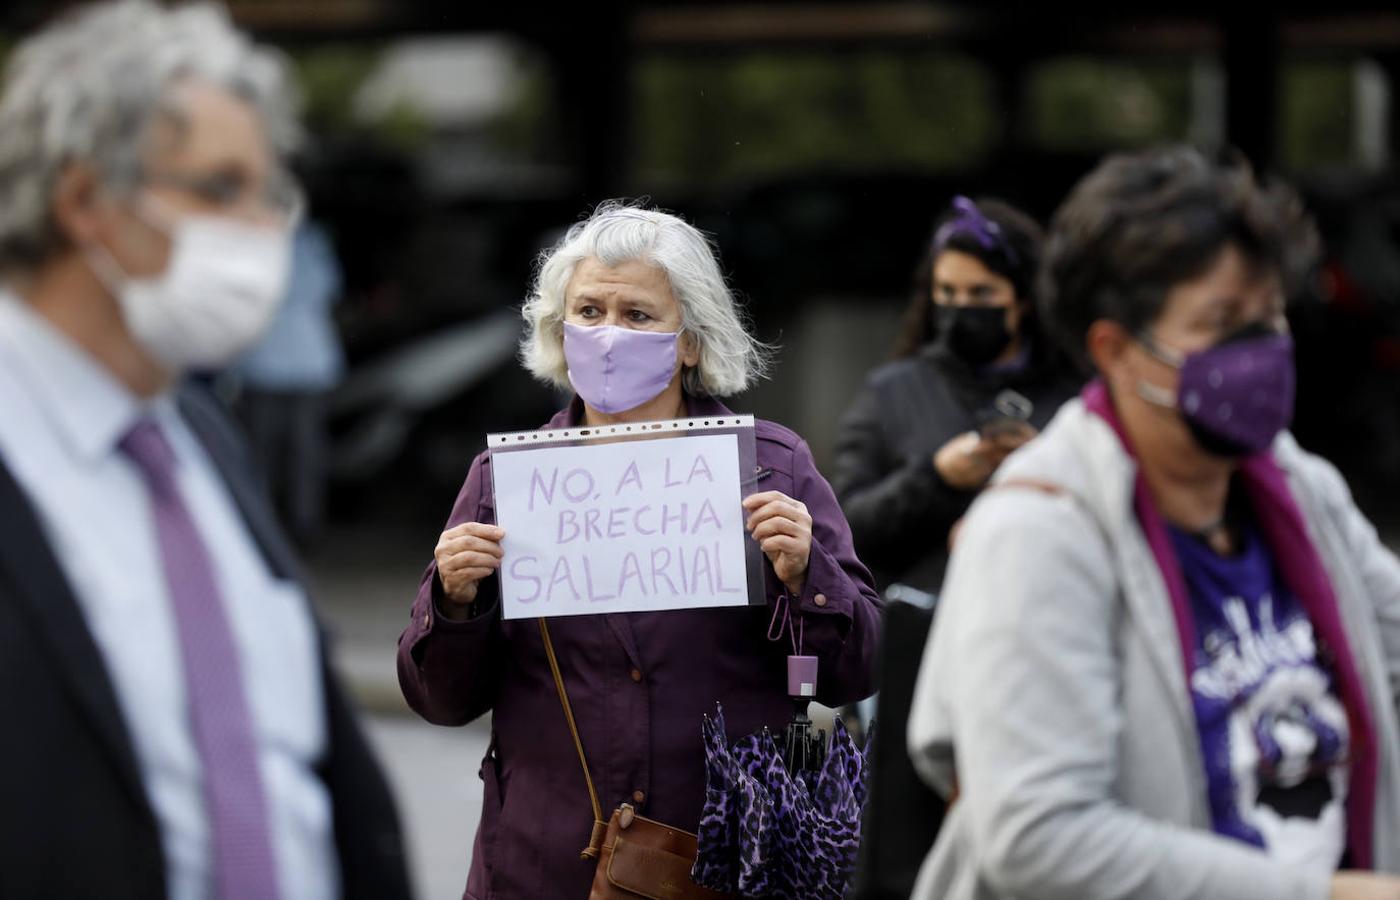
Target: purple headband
968,219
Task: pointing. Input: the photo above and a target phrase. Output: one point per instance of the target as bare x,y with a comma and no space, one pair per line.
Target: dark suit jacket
74,818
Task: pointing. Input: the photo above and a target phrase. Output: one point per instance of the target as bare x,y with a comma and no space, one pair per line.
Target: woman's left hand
783,528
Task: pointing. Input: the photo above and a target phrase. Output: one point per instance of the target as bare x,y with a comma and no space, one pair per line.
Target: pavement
365,579
433,773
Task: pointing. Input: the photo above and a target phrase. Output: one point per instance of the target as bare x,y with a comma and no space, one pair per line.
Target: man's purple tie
243,863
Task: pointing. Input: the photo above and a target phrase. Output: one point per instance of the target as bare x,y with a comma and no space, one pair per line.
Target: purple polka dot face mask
1235,396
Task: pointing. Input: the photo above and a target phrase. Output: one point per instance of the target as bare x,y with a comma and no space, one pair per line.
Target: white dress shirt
61,418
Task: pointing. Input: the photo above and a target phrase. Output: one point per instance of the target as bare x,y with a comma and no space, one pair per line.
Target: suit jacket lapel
215,434
39,585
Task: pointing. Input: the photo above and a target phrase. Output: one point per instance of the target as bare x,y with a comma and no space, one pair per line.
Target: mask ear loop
1156,394
1166,355
1153,393
105,267
155,215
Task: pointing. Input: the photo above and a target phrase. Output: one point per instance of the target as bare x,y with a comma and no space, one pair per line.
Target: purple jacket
638,683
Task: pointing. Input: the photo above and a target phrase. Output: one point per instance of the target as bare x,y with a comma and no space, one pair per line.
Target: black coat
75,822
899,508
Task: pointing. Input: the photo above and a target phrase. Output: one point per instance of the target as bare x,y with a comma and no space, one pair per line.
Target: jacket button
639,798
636,675
820,599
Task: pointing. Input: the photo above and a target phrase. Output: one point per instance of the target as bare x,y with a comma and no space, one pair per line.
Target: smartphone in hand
1009,414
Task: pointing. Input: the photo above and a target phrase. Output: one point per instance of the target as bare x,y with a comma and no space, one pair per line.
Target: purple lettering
548,492
573,478
631,568
588,580
719,573
590,524
707,514
518,575
667,477
567,519
617,526
700,467
700,563
658,570
630,476
667,518
561,575
637,521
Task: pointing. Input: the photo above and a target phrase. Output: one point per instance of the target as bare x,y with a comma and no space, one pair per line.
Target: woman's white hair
87,88
731,358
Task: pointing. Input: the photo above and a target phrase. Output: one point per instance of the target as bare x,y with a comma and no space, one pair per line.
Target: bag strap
1035,484
595,841
1052,489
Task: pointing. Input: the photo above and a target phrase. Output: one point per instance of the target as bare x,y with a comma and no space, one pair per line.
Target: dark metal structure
432,259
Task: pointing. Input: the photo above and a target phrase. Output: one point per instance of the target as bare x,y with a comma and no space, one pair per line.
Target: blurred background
817,141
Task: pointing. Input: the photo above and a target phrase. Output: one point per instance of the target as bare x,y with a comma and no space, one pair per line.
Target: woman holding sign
631,311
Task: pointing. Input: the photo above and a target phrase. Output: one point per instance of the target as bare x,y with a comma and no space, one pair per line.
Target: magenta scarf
1285,531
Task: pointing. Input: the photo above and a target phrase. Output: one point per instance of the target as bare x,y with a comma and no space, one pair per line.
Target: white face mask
220,290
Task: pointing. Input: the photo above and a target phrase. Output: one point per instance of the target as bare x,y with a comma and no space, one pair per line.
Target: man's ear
75,203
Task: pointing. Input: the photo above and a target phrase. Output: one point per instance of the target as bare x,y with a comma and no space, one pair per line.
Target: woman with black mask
972,380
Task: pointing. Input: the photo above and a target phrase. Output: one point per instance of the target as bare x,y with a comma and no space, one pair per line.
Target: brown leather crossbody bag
637,856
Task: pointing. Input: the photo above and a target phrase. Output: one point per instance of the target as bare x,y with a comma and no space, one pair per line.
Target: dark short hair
1142,223
1016,257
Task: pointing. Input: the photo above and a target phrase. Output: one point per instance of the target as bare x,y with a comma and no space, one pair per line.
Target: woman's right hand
966,462
1365,886
465,555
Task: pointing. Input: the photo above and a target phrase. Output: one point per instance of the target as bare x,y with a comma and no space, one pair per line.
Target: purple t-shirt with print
1273,732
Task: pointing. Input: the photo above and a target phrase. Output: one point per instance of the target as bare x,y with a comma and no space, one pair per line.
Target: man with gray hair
174,729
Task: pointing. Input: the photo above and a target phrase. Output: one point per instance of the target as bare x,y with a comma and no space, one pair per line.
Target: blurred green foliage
1317,114
743,116
738,117
330,77
1083,103
747,116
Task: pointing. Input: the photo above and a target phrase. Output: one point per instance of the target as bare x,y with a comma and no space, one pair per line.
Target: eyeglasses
231,192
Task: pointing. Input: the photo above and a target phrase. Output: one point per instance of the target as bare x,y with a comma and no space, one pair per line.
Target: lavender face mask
616,369
1236,396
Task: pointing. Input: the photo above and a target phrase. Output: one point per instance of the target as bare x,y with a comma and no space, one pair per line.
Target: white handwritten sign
621,527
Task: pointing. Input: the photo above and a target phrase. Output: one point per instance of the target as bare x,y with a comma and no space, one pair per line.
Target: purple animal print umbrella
769,832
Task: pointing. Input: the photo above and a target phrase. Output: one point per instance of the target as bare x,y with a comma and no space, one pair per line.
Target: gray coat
1054,673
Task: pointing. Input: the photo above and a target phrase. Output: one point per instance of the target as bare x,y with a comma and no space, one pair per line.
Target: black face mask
974,334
